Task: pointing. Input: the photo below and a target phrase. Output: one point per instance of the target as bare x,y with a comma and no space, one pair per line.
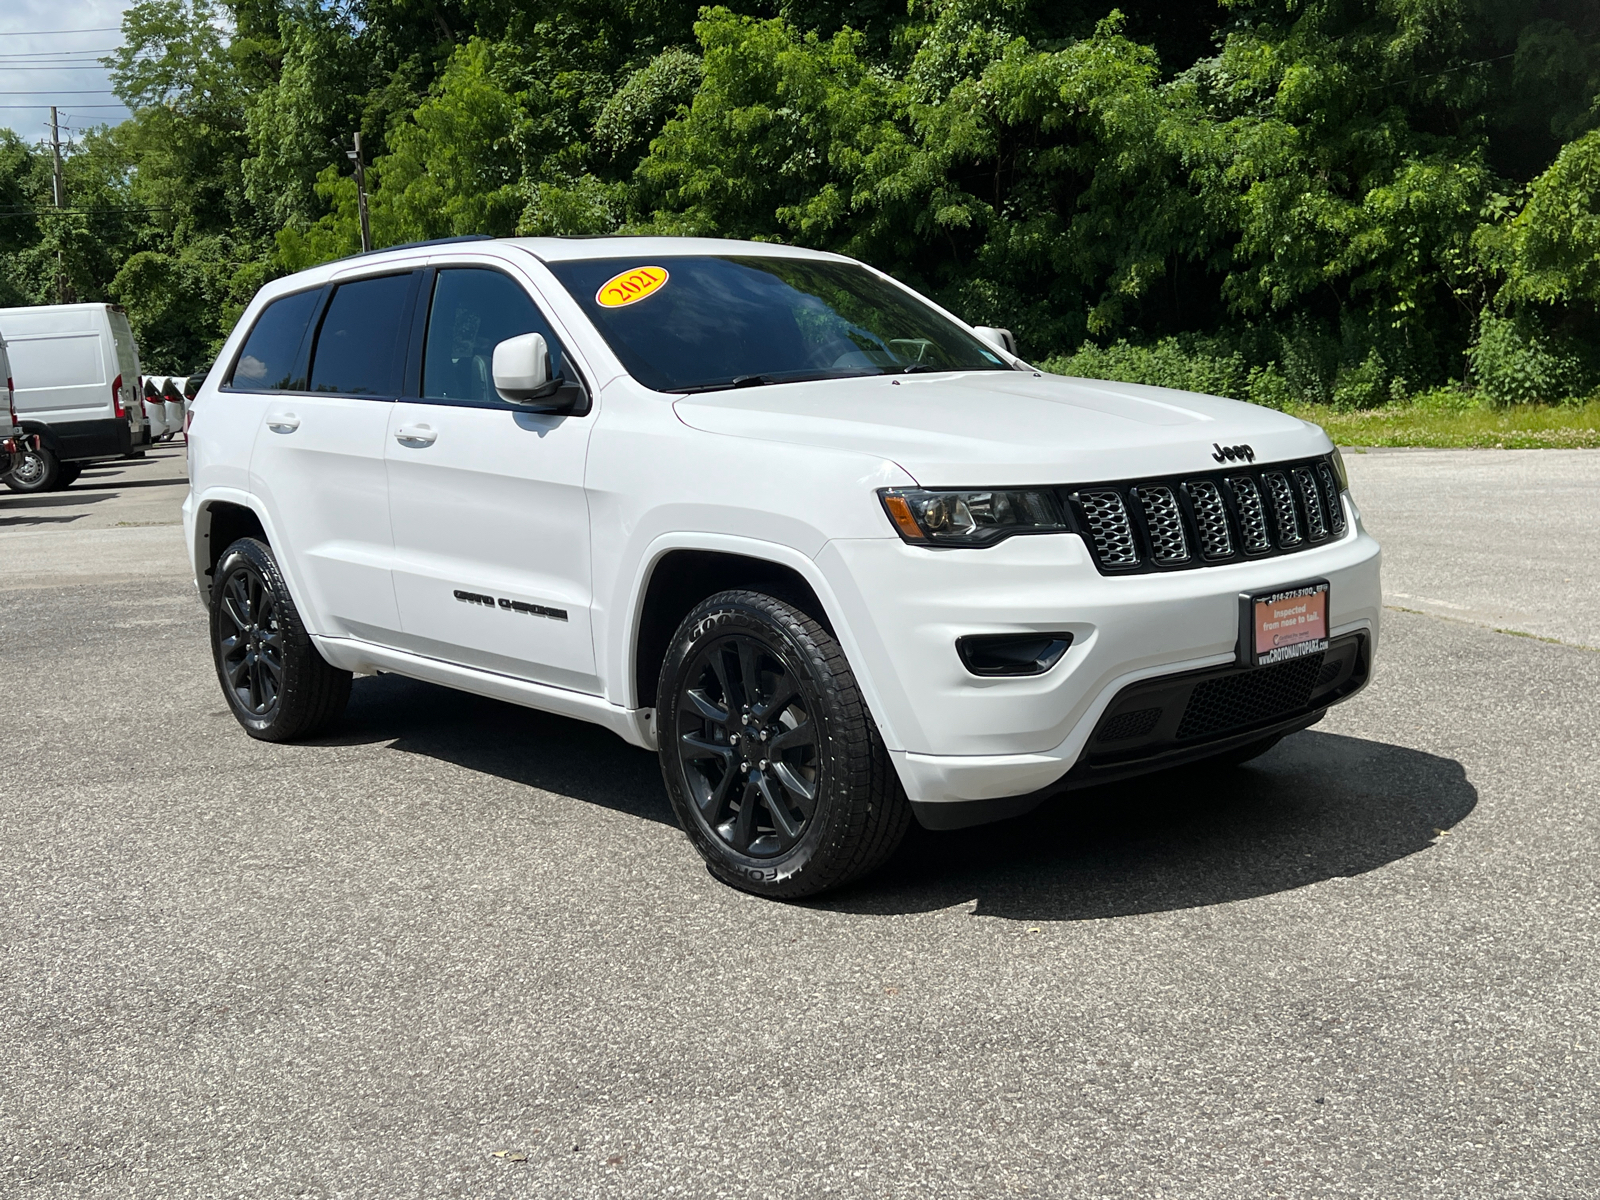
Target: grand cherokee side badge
533,610
1234,453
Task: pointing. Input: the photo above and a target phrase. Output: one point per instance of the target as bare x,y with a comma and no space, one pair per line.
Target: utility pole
61,202
361,192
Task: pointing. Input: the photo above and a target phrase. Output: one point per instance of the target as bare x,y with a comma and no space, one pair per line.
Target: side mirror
1002,338
522,376
522,369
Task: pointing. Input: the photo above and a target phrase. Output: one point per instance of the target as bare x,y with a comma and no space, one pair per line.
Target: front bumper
955,737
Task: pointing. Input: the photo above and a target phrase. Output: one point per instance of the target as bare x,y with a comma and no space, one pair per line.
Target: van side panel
64,359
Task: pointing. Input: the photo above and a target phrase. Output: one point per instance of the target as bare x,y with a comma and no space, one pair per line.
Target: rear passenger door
318,462
491,524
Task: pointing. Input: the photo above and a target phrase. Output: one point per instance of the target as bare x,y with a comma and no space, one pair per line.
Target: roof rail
466,237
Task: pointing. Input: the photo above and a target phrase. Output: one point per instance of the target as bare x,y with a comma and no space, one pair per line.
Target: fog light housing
1012,654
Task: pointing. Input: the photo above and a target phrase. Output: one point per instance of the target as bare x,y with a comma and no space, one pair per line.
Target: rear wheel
37,469
276,683
772,761
68,475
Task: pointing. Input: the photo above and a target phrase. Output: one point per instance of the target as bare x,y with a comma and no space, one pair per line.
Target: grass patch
1522,427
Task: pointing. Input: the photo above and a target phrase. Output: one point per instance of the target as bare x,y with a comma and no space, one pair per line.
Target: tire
1240,755
68,475
276,683
38,471
744,803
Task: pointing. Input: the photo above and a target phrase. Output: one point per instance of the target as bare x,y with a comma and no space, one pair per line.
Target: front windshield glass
705,323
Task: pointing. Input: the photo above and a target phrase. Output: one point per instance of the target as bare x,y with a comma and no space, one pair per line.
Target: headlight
1338,469
971,518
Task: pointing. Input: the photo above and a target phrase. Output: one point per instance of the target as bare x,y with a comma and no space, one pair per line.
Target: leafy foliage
1337,202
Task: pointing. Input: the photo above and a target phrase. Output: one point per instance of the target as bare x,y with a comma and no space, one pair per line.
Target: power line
74,108
68,92
56,32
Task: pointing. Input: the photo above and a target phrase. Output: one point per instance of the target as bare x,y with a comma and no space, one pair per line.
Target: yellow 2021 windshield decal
631,286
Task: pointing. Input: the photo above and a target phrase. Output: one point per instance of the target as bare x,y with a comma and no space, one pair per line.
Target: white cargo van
76,372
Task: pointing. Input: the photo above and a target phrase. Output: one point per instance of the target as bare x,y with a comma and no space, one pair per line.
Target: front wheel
276,683
772,761
36,469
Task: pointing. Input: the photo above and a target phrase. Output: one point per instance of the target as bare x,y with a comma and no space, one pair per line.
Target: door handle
416,435
283,422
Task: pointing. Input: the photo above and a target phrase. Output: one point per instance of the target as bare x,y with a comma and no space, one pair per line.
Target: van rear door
127,355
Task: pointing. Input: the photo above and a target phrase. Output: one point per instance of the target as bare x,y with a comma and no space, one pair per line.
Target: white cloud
63,66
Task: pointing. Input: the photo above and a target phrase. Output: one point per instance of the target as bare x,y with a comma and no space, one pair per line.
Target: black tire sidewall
716,618
283,722
48,477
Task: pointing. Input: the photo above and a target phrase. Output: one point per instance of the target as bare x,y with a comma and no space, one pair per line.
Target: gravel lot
1364,967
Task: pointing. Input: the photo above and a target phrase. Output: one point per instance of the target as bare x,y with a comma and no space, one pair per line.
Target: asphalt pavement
460,949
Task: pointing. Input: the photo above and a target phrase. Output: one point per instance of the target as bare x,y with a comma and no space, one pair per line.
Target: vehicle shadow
554,754
53,499
1319,806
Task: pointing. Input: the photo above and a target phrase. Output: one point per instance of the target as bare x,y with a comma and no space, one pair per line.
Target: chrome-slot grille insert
1110,528
1211,517
1168,543
1316,522
1252,515
1330,491
1283,513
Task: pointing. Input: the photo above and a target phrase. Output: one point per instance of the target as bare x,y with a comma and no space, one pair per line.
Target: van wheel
772,761
38,471
68,475
276,683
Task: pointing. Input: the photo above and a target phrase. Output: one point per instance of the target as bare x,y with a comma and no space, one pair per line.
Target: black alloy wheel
249,640
747,743
277,684
773,764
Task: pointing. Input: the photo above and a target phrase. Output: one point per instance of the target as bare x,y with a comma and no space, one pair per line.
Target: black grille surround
1208,518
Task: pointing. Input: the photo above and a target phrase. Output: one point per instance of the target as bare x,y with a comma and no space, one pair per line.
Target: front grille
1203,520
1250,697
1252,514
1168,544
1107,518
1330,493
1211,518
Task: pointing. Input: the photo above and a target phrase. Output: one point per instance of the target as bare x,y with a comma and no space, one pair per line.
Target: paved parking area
460,949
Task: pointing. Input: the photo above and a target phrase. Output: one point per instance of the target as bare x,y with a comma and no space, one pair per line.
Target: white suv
840,558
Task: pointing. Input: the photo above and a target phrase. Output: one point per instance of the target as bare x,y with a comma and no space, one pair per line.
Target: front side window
267,362
704,323
475,309
360,345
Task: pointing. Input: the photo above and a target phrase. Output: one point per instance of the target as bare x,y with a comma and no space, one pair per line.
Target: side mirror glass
1001,338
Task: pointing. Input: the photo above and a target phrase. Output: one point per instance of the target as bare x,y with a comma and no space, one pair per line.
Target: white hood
993,428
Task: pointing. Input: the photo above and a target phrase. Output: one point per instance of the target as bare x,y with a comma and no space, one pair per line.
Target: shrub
1514,362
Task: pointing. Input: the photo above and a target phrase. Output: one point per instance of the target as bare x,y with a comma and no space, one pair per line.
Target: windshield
702,323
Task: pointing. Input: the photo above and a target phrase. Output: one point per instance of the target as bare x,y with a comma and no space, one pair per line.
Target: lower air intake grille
1109,527
1249,698
1130,725
1167,541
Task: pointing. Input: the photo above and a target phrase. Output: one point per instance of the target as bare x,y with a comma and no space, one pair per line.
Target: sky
49,52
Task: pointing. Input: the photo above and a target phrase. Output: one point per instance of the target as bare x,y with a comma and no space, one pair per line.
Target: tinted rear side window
267,361
359,345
